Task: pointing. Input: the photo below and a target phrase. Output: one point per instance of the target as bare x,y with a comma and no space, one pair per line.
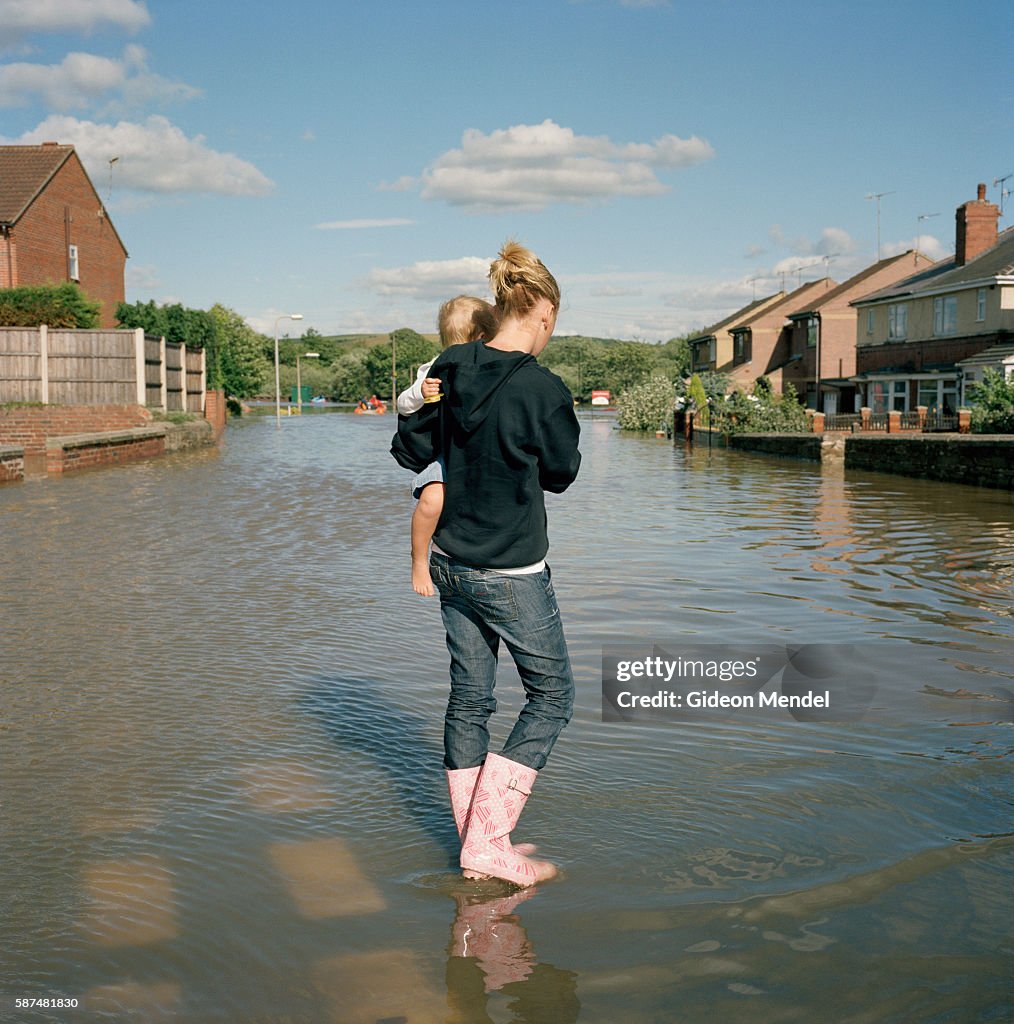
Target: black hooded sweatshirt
507,431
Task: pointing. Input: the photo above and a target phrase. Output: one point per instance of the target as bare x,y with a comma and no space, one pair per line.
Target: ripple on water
222,753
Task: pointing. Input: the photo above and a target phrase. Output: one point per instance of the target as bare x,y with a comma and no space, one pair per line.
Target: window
980,305
73,269
888,395
812,331
945,315
897,321
869,321
704,354
741,347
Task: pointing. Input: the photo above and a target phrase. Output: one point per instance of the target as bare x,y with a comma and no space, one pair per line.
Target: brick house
760,345
712,348
912,336
825,330
55,228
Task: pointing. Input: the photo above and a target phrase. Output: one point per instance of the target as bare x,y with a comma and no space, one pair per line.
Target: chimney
975,224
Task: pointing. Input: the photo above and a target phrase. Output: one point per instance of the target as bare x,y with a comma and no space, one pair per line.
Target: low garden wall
986,460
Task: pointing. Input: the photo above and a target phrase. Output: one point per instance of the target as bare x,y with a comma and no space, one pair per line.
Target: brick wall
61,460
67,213
982,460
30,426
215,410
12,464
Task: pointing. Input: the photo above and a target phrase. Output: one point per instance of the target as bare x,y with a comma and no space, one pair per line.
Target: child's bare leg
424,524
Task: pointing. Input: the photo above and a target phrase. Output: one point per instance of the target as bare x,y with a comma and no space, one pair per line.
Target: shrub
763,412
56,305
993,404
648,405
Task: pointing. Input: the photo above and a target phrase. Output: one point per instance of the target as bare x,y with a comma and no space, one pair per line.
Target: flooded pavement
220,750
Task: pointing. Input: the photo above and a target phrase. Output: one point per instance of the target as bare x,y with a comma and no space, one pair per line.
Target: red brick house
55,228
759,343
825,330
914,339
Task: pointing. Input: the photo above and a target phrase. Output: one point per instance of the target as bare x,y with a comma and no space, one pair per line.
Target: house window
812,331
980,305
897,321
704,354
945,315
73,268
741,347
869,321
888,395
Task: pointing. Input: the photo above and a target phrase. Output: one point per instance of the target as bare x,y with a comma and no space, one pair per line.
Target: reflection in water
221,770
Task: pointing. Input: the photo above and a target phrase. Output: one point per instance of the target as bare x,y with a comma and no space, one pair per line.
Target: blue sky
359,163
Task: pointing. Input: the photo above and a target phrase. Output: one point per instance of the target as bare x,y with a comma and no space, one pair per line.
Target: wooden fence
101,367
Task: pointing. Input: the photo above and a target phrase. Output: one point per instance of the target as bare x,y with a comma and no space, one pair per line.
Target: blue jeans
480,608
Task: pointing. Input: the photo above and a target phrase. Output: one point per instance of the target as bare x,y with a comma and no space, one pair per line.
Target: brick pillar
818,423
893,421
865,413
964,421
922,410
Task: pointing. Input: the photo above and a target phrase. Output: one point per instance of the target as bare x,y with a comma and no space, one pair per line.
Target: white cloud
613,291
20,17
352,225
928,245
80,80
532,166
433,279
154,156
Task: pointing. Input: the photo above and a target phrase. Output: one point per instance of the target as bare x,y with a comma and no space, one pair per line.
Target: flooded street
220,749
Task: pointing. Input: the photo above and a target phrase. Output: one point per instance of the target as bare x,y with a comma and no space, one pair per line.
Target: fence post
140,374
893,421
204,381
922,410
184,374
162,380
964,421
818,423
44,363
865,412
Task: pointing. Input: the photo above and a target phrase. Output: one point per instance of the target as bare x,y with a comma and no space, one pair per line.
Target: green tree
245,370
993,404
628,363
350,379
58,305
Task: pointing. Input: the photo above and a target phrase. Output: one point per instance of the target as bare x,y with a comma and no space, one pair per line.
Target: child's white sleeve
411,399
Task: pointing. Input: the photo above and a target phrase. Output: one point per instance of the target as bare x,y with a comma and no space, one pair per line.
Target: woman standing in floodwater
508,434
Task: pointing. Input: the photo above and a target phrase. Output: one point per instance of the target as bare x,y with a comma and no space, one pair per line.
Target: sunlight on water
221,730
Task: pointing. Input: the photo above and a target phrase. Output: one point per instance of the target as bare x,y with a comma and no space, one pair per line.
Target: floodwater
220,742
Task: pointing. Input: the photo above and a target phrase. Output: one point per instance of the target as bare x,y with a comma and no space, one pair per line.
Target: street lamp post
278,387
299,382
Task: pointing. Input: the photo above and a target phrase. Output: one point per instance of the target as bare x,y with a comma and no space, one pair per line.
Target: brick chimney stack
976,223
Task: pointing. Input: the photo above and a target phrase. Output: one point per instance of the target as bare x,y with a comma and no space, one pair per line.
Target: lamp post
299,382
278,387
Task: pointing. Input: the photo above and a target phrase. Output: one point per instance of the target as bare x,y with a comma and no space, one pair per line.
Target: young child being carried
461,319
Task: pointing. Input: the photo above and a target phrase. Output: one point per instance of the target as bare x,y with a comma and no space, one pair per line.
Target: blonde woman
509,434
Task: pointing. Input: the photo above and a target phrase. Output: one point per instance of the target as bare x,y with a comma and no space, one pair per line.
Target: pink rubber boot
461,786
500,796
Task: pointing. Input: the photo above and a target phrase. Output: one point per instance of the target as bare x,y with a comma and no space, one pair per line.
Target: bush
993,404
762,412
56,305
647,406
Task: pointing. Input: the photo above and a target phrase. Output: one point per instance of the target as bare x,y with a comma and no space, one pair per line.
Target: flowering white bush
648,405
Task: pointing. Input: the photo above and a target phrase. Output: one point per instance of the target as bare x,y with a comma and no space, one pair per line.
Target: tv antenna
878,196
1003,191
109,194
918,230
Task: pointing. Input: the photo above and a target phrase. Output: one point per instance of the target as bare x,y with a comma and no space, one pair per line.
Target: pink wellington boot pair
487,801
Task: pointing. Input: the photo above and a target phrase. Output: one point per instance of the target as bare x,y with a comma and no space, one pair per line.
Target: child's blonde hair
465,318
519,279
